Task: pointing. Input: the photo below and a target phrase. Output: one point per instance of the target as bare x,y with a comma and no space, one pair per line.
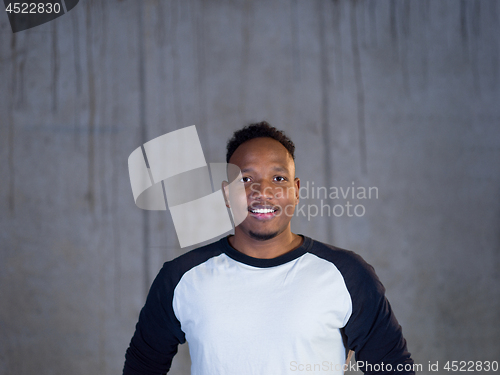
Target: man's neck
272,248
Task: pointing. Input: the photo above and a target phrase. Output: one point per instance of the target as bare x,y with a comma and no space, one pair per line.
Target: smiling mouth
262,210
263,213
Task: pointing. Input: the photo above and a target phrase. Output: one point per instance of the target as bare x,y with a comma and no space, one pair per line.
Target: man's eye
245,179
280,178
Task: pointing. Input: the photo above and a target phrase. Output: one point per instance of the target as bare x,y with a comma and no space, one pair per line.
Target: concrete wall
398,95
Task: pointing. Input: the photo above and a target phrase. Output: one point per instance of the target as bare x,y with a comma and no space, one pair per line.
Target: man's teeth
262,210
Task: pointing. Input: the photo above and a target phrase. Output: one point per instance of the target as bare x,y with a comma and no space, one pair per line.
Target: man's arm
157,332
372,330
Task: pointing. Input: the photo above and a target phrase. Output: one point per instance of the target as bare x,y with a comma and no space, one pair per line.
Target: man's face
272,191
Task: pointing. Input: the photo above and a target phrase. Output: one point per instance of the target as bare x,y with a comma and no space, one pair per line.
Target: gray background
399,95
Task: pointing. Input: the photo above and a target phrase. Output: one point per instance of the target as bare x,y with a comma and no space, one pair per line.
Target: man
266,300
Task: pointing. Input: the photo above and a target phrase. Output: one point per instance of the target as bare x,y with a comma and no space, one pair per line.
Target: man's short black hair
258,130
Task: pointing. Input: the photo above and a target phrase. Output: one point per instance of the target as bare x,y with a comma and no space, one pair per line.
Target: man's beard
262,236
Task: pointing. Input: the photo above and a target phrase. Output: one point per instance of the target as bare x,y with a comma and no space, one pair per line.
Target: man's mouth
263,212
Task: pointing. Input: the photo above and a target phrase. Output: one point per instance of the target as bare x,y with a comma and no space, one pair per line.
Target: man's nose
262,190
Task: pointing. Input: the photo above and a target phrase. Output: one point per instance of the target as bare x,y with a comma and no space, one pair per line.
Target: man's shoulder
349,263
193,258
335,254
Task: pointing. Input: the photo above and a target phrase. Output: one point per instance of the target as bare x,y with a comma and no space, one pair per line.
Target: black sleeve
157,332
372,330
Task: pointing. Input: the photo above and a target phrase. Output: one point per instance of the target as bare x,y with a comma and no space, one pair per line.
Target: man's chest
226,301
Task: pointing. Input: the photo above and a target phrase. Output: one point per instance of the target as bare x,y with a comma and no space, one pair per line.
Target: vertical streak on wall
11,126
115,223
360,94
102,136
463,26
405,26
295,41
102,141
78,68
115,201
372,11
116,157
55,66
338,45
98,178
21,94
92,103
143,135
245,53
424,20
476,33
201,34
325,103
160,33
494,50
469,31
174,14
394,26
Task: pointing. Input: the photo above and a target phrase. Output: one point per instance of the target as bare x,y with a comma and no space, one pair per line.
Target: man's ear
296,181
225,192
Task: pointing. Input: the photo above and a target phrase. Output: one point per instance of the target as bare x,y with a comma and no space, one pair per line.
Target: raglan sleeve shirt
369,328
